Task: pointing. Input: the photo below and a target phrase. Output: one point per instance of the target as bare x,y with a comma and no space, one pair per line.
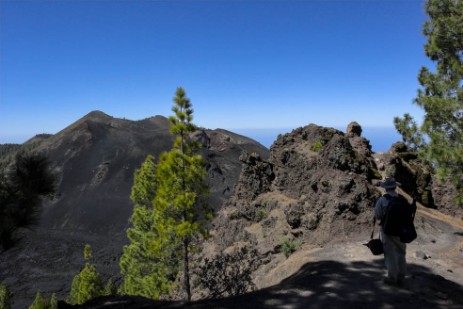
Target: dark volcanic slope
95,159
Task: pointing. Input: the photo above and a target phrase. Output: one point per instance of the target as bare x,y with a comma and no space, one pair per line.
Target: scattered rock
422,255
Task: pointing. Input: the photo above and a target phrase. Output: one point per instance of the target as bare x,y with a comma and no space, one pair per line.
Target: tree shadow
324,284
331,284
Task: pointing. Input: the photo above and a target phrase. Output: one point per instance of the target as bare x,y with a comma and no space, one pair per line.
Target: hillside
94,160
332,269
315,188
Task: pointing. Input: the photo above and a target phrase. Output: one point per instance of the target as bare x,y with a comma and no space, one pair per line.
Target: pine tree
22,186
180,202
109,288
40,302
439,139
53,302
5,297
87,284
170,212
143,269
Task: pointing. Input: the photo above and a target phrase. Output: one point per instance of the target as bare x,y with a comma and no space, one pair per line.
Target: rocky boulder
360,144
409,170
444,194
417,179
354,129
315,188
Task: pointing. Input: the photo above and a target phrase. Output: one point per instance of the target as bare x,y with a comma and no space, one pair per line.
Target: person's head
389,184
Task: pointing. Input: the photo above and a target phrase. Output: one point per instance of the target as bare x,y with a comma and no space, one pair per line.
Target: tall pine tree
439,139
180,201
145,271
170,212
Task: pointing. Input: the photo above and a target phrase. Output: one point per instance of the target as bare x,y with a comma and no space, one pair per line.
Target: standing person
394,249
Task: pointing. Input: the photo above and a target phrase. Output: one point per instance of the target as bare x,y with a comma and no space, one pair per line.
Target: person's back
395,215
390,209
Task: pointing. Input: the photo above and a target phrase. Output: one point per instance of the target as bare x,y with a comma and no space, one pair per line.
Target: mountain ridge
314,185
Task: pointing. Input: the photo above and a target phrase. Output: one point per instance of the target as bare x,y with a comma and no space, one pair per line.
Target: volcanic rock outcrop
418,180
315,188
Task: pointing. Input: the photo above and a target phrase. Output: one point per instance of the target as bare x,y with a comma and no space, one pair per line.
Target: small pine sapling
40,302
87,284
5,297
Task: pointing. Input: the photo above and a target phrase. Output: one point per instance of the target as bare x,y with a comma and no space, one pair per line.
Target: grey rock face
354,129
418,180
315,185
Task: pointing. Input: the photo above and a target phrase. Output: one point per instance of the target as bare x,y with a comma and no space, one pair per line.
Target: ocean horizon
381,138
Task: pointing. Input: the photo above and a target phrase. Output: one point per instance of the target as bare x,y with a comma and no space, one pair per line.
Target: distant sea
381,138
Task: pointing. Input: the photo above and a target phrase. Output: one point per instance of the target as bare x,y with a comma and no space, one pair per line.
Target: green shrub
41,302
53,302
88,254
261,214
5,297
289,246
109,288
317,146
87,284
234,215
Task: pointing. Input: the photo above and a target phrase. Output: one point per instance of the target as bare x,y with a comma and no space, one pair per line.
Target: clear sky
244,64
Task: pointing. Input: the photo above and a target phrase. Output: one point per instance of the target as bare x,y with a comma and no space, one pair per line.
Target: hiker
394,249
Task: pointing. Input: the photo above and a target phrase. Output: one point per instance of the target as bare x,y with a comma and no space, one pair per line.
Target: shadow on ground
327,284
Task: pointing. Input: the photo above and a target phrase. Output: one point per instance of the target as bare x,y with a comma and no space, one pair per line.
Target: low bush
228,274
289,246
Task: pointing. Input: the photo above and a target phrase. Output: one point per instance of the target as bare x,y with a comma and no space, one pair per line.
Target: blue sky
244,64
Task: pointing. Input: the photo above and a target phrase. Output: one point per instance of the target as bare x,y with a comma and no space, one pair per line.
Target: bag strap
385,213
